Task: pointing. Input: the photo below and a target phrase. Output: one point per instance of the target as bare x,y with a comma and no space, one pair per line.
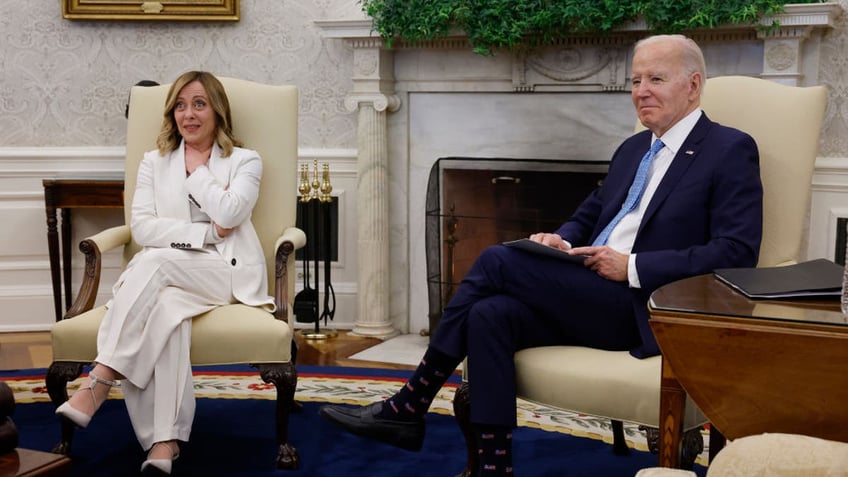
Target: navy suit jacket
707,212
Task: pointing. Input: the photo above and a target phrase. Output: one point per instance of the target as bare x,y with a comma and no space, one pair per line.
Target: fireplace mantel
398,94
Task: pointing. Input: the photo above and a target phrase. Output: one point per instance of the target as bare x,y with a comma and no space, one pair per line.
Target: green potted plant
493,24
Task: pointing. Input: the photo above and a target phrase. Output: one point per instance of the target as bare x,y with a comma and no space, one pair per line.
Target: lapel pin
690,152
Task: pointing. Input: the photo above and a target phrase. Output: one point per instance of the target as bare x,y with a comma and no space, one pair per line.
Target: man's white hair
690,52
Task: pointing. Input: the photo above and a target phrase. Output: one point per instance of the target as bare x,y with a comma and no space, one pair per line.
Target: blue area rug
233,432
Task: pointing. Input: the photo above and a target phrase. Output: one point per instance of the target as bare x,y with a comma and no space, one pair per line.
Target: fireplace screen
473,203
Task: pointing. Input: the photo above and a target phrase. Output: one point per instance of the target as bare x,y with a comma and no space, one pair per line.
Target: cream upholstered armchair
785,121
265,119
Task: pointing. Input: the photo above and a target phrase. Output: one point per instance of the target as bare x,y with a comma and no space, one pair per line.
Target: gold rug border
343,390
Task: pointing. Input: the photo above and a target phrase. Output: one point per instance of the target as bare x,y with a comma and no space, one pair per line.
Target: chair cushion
232,334
781,455
611,384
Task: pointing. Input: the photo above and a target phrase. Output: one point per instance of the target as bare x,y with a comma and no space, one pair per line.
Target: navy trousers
511,300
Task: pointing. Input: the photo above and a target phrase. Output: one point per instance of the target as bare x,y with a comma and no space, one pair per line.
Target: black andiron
315,211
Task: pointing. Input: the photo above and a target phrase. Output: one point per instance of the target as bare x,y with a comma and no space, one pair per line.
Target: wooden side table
751,366
30,463
67,194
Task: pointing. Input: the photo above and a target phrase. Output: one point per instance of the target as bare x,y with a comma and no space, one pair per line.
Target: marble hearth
417,103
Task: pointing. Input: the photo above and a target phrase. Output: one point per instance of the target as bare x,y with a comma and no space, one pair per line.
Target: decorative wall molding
832,166
379,101
57,162
807,15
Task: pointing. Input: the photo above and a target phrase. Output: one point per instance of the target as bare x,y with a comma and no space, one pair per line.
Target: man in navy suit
690,205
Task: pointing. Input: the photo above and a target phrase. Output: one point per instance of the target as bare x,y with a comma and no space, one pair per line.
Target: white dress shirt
624,234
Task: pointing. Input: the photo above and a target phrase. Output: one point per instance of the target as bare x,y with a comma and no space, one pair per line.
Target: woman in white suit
191,213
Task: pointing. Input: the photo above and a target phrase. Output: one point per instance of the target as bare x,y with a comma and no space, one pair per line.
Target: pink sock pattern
494,449
413,399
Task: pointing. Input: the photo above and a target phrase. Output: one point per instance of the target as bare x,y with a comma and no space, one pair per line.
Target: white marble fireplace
418,103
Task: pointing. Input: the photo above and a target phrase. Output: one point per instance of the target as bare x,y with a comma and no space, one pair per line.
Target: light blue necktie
634,194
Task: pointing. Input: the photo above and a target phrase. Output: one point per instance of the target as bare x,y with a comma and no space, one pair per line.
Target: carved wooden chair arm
292,239
92,247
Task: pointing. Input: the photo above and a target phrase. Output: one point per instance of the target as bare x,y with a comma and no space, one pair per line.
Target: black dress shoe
365,421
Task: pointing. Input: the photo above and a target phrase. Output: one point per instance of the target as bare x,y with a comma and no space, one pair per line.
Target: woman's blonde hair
169,136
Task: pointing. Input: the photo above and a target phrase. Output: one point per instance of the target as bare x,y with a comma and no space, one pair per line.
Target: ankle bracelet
114,383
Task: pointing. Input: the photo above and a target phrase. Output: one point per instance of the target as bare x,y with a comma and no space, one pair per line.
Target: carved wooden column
373,97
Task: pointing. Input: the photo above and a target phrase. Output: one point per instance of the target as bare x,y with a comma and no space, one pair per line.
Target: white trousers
146,335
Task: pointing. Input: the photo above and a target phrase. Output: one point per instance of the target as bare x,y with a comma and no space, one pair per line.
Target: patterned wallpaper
65,83
834,73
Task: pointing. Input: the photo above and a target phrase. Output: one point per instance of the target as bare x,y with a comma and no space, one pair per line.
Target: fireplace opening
472,203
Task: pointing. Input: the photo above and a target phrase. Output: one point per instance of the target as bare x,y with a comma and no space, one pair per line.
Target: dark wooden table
30,463
751,366
67,194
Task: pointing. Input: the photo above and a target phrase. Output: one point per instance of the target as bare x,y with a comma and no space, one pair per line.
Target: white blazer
225,189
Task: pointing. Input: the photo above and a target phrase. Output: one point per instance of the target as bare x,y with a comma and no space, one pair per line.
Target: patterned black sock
494,446
414,398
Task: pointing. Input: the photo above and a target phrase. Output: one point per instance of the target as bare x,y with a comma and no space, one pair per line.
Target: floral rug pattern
360,390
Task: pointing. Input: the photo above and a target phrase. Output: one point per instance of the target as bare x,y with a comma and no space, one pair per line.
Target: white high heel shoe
78,417
152,467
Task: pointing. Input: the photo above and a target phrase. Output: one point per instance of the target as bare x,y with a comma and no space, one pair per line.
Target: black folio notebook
815,278
536,247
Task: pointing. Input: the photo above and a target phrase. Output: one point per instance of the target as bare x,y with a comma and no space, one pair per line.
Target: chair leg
717,442
297,406
652,436
691,447
294,349
58,376
284,378
462,413
619,443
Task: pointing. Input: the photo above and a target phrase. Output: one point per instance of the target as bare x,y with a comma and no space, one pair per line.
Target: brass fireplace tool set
315,211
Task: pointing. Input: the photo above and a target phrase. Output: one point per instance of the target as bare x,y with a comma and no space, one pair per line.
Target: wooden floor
32,350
